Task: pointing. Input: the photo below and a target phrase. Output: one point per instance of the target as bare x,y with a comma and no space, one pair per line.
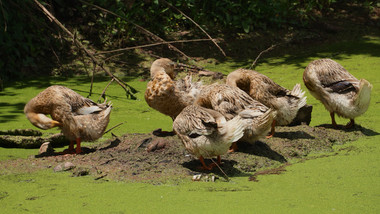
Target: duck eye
194,135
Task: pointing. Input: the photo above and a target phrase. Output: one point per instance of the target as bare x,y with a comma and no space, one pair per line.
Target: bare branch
5,20
154,44
200,70
113,127
104,91
147,32
196,24
264,51
81,46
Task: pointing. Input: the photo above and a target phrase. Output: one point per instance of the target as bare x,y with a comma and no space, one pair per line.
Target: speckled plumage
205,132
231,101
338,90
77,117
265,90
165,94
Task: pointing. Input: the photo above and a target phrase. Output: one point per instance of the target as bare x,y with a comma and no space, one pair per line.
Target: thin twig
196,24
5,20
147,32
113,127
154,44
264,51
225,175
104,91
92,77
81,46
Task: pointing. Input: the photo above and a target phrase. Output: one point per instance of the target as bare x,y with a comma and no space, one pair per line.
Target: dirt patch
146,157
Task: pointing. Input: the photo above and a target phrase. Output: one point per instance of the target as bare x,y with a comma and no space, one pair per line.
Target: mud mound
145,157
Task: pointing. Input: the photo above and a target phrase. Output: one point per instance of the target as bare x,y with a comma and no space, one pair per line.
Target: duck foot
233,147
350,124
210,166
272,131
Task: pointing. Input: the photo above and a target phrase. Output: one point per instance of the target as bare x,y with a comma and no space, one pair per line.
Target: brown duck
79,118
338,90
265,90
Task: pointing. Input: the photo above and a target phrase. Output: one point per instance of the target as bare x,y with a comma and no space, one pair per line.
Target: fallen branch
113,127
264,51
81,46
196,24
18,141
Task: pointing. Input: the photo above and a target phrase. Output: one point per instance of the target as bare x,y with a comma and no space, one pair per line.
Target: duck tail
233,129
297,92
259,123
363,97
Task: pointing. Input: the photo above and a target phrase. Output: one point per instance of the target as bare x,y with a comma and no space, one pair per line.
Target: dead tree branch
81,46
145,31
257,58
199,70
196,24
104,91
154,44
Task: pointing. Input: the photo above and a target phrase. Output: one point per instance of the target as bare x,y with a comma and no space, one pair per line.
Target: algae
342,177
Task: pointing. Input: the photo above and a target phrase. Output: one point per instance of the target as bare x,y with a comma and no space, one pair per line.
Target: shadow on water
363,130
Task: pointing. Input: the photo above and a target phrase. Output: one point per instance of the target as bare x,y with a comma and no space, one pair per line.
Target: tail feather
297,92
233,129
363,97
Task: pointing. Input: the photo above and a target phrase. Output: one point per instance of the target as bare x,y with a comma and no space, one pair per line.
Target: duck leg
233,147
272,130
71,147
204,166
350,124
78,149
333,122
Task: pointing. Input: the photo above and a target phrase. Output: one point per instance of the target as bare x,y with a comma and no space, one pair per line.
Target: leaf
245,27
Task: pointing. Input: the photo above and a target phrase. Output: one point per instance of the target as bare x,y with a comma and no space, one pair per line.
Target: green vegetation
37,54
343,181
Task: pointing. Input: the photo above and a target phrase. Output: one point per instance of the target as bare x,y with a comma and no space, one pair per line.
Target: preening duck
79,118
338,90
230,101
164,93
265,90
206,133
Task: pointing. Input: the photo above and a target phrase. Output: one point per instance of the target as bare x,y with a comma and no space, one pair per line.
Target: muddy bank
146,157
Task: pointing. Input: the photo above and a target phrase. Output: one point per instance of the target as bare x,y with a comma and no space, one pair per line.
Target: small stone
156,144
58,168
68,165
46,148
64,167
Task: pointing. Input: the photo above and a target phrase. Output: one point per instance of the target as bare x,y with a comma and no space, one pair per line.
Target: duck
263,89
164,93
206,133
338,90
230,101
80,119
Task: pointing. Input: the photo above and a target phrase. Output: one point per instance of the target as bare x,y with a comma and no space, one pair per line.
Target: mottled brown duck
265,90
79,118
338,90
